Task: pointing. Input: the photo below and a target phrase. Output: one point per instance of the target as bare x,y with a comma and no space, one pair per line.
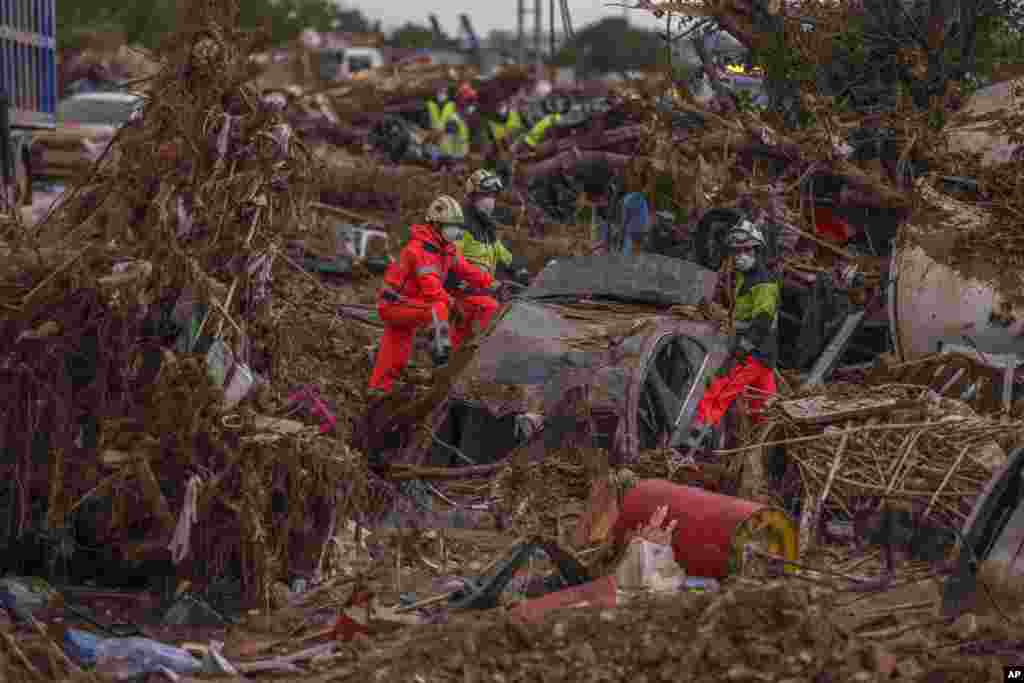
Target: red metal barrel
710,525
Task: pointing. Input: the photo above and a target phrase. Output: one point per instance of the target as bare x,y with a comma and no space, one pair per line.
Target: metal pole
6,154
521,9
551,26
538,33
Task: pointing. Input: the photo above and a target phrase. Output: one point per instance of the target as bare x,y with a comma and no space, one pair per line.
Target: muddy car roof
637,278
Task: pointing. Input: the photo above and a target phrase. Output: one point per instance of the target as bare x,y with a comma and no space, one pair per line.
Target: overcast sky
489,14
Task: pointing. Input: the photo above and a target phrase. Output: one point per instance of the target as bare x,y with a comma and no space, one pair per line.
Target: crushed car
610,344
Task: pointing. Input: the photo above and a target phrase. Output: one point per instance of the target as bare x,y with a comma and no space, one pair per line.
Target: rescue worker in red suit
413,294
758,297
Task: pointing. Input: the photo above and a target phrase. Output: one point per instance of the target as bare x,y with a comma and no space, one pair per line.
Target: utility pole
521,10
538,33
551,25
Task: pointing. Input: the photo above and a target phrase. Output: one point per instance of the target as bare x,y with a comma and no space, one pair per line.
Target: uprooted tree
857,51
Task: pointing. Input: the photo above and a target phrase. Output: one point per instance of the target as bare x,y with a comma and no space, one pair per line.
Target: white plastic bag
649,567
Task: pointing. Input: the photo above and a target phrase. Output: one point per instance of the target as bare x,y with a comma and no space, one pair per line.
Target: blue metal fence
28,60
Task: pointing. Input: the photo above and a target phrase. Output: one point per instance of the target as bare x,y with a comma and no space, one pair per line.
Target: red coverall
414,288
757,304
725,390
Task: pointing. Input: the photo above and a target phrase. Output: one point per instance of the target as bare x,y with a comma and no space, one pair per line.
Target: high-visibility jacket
419,274
758,297
439,114
511,127
456,144
479,243
536,134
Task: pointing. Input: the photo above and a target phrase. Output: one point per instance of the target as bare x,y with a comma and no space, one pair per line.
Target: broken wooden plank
823,410
810,520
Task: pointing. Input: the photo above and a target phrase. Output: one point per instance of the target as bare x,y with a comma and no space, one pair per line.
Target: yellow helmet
483,182
445,211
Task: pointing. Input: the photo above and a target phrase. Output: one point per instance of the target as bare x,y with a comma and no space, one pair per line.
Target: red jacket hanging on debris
413,293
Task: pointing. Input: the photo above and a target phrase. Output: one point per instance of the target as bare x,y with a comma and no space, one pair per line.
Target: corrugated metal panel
28,61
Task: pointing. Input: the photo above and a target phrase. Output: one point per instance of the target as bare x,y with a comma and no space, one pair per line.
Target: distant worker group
449,112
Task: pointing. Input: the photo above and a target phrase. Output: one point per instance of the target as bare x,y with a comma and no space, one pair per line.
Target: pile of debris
851,446
144,343
752,631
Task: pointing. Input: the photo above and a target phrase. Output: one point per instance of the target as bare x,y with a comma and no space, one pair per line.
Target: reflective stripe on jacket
424,264
536,134
510,127
456,145
485,255
758,297
479,243
439,115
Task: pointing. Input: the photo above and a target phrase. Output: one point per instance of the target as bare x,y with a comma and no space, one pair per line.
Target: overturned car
612,346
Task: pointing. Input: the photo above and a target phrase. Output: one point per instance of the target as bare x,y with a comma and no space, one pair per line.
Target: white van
356,59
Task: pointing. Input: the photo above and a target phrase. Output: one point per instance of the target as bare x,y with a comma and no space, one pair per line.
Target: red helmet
467,93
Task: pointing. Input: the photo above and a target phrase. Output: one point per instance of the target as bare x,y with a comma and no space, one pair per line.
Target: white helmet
744,235
445,211
483,182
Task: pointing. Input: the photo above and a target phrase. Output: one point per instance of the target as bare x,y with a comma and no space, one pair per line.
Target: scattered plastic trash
180,545
235,378
126,658
696,584
649,566
23,596
309,397
215,663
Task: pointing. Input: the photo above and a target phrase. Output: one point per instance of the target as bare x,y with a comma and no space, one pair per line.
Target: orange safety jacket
419,274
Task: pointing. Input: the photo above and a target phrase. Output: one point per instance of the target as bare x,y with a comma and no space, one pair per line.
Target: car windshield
93,111
356,64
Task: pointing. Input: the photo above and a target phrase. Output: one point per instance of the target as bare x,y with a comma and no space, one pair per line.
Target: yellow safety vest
456,145
438,115
487,255
536,134
513,123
